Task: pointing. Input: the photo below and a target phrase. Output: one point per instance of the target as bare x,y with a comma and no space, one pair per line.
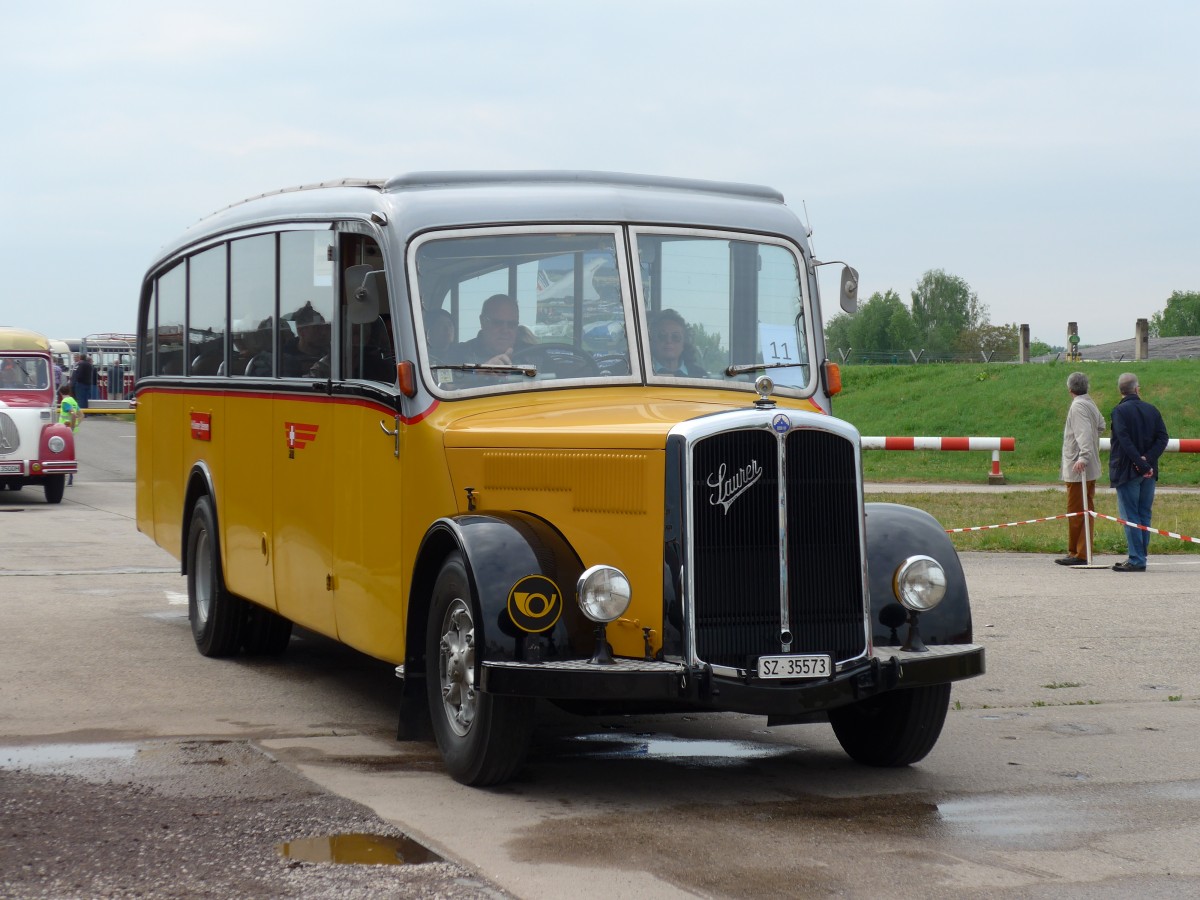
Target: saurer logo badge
728,487
299,436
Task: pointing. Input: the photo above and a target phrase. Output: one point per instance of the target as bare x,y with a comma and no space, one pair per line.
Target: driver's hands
501,359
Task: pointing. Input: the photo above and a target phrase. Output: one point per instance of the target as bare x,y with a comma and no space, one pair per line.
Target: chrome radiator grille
760,503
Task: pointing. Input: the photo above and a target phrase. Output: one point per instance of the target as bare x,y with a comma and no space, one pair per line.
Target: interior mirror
850,289
364,290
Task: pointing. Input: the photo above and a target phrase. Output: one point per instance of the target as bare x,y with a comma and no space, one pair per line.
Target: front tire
894,729
216,615
483,738
56,486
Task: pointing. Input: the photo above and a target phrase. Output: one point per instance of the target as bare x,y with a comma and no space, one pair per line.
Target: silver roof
421,201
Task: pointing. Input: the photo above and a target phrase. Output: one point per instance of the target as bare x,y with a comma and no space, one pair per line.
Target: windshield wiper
527,371
762,367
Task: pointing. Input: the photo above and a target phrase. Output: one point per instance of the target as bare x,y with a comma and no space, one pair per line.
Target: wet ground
198,818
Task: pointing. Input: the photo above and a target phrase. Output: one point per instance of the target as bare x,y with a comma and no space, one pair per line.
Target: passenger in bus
671,351
440,332
311,356
258,346
11,375
499,322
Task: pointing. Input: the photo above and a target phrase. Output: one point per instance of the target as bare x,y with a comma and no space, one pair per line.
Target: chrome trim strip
785,617
586,665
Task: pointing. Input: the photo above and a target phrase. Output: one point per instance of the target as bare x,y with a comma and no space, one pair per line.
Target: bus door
368,563
298,347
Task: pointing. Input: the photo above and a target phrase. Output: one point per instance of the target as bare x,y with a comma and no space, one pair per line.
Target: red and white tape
1170,534
1011,524
1091,512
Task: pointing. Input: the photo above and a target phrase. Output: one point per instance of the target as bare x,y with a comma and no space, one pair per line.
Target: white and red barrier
995,444
1174,445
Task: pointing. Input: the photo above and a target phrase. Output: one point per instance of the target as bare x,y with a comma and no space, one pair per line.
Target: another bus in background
34,448
112,355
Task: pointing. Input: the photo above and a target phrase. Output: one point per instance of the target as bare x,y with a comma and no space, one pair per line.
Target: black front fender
523,575
895,533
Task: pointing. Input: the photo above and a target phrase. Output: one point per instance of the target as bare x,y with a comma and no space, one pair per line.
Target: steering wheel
560,360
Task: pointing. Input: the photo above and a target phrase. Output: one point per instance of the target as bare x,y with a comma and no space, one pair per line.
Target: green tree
1002,340
1040,348
943,307
882,324
837,334
1181,318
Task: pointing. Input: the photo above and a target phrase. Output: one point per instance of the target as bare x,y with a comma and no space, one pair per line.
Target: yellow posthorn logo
535,604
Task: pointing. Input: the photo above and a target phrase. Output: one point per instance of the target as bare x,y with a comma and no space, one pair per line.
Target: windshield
524,308
721,307
513,309
24,373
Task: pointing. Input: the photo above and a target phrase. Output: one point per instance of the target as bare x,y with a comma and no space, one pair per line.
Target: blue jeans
1134,500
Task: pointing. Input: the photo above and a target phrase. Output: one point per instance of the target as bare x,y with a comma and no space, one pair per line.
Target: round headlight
56,444
920,583
603,593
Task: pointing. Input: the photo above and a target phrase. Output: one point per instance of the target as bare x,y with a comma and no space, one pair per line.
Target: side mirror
849,300
365,288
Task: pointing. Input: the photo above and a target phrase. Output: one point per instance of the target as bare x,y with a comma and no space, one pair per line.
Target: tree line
947,321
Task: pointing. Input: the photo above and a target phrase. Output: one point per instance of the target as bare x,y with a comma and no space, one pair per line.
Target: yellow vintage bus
560,435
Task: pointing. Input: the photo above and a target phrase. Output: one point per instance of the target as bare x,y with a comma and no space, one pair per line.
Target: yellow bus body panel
244,496
302,440
318,483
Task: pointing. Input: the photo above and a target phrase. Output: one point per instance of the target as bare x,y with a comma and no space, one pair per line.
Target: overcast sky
1046,152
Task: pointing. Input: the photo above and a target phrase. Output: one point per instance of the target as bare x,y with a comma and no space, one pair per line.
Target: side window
172,293
305,303
206,311
252,307
368,348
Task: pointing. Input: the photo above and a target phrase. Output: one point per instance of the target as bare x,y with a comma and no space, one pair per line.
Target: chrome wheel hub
456,667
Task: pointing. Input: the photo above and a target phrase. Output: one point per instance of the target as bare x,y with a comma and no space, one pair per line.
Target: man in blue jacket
1139,437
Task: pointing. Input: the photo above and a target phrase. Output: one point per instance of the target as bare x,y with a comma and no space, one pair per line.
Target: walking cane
1087,524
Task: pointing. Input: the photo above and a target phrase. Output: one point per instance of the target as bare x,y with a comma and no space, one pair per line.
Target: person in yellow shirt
68,414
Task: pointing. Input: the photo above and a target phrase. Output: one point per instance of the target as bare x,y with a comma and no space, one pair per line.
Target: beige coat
1081,438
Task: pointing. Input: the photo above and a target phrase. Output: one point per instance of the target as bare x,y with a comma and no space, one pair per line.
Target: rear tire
217,616
894,729
483,738
56,486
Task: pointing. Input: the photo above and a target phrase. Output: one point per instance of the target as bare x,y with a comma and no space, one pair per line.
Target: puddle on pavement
627,746
64,756
360,849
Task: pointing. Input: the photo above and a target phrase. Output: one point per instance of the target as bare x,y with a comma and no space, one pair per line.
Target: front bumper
889,668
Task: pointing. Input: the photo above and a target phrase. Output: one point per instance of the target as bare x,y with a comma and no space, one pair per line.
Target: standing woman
1080,466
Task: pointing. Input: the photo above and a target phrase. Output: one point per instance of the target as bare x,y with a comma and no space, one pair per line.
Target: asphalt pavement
130,765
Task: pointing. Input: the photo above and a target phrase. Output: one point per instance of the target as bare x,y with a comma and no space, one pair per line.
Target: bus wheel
482,737
265,633
216,615
893,729
56,486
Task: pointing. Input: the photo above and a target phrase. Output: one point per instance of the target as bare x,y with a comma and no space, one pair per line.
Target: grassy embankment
1028,403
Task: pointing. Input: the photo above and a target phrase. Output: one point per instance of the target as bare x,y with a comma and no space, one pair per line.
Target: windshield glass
24,373
523,308
513,309
722,307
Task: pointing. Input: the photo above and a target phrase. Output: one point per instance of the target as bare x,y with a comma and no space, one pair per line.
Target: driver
499,322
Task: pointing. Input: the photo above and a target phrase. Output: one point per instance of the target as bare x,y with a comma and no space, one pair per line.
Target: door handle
394,434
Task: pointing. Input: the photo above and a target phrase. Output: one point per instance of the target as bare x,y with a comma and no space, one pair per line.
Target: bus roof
22,339
414,202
